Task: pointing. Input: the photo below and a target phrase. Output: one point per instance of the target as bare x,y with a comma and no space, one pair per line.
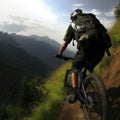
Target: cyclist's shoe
72,98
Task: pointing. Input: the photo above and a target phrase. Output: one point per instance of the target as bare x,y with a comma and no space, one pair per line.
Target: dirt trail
112,81
71,112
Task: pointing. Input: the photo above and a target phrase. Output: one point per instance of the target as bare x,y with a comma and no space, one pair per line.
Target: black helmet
76,12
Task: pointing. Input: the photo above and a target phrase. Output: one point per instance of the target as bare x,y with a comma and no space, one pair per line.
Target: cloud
27,17
77,5
96,12
106,18
35,17
18,19
27,8
13,27
110,13
108,23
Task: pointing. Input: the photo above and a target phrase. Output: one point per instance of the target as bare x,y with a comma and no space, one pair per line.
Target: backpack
90,32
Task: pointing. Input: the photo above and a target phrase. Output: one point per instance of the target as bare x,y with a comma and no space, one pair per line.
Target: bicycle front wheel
67,84
96,107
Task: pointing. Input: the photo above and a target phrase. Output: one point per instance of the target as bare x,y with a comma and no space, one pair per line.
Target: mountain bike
91,93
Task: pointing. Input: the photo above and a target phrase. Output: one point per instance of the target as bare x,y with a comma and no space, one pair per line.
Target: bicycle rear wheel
96,108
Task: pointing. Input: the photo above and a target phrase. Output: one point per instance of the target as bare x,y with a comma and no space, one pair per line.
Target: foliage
8,112
31,92
50,107
117,11
115,34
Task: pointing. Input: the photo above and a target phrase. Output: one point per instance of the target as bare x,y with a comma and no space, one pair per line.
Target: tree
31,92
117,11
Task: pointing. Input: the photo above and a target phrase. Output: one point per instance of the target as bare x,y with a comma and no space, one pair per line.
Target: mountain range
24,56
42,47
16,63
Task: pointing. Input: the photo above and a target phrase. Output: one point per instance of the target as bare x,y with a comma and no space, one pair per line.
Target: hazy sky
49,17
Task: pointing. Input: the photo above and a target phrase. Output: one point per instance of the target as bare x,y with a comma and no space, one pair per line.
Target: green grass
49,108
115,33
115,29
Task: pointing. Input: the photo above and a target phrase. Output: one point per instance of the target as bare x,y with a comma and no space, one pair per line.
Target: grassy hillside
49,108
115,32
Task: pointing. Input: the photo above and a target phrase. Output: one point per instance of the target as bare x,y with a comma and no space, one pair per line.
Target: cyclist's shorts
81,60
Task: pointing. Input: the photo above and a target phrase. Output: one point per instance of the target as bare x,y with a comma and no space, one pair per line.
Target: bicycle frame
83,97
81,89
94,101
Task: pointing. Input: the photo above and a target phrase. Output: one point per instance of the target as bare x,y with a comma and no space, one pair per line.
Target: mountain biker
81,56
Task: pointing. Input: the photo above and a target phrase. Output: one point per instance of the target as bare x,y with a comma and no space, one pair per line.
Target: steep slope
42,47
15,63
111,78
13,54
112,75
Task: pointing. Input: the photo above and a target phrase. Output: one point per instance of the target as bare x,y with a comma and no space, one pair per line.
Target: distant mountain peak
43,47
7,39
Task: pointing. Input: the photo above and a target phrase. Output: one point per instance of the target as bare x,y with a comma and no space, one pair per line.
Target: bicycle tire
67,84
97,106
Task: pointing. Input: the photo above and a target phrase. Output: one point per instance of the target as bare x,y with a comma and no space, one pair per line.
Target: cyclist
81,56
